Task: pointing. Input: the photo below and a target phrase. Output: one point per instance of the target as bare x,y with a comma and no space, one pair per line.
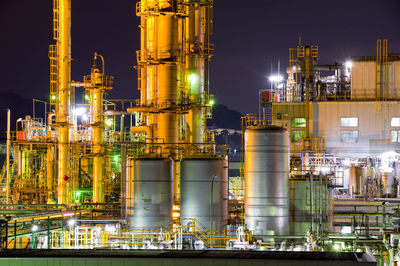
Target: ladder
53,55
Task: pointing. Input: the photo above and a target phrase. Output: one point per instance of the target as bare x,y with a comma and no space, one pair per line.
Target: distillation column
99,83
159,65
64,98
98,132
198,30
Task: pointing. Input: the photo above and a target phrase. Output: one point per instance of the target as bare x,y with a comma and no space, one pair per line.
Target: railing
88,237
253,120
314,144
142,7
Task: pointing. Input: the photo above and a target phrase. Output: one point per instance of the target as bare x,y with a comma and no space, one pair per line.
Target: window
395,122
349,121
297,135
349,136
298,122
395,136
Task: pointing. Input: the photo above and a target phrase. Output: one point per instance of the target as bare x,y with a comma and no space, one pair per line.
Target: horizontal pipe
141,109
142,129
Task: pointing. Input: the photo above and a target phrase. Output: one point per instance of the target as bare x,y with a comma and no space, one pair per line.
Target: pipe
98,139
8,156
141,109
64,98
142,129
50,172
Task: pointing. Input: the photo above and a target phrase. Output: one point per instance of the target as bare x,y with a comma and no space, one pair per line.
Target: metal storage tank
388,182
357,180
198,177
149,196
302,208
266,180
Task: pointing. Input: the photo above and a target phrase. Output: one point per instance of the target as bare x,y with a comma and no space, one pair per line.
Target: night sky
248,35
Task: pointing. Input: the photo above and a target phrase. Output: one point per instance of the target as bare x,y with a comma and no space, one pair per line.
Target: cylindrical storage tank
387,181
302,208
204,191
266,180
357,180
149,192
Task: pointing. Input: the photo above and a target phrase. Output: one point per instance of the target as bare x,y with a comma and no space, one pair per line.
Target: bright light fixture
110,228
71,222
276,78
349,64
79,111
192,79
109,122
212,102
346,230
35,228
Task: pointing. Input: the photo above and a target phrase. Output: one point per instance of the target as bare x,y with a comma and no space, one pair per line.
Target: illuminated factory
318,173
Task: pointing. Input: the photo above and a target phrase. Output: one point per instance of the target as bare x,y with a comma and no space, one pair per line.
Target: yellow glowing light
211,102
176,215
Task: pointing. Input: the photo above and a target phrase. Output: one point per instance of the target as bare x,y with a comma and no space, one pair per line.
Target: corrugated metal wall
363,80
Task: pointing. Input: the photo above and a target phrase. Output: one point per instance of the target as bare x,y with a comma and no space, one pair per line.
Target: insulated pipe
98,139
64,99
50,172
141,109
142,129
8,178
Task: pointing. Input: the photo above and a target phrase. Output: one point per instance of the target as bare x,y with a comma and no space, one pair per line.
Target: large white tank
266,180
203,180
149,196
388,183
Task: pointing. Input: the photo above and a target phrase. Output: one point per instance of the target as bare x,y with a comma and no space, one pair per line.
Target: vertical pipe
123,181
15,234
8,156
50,172
307,60
98,131
64,98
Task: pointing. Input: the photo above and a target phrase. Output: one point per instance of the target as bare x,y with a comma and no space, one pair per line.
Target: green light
116,158
192,79
4,189
109,122
87,97
53,97
211,102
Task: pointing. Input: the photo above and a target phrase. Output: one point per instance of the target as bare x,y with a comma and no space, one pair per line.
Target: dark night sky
248,35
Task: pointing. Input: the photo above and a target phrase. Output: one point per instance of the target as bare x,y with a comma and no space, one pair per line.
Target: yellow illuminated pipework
64,98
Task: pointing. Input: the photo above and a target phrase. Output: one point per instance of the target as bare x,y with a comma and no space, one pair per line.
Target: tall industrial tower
171,116
60,93
173,70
